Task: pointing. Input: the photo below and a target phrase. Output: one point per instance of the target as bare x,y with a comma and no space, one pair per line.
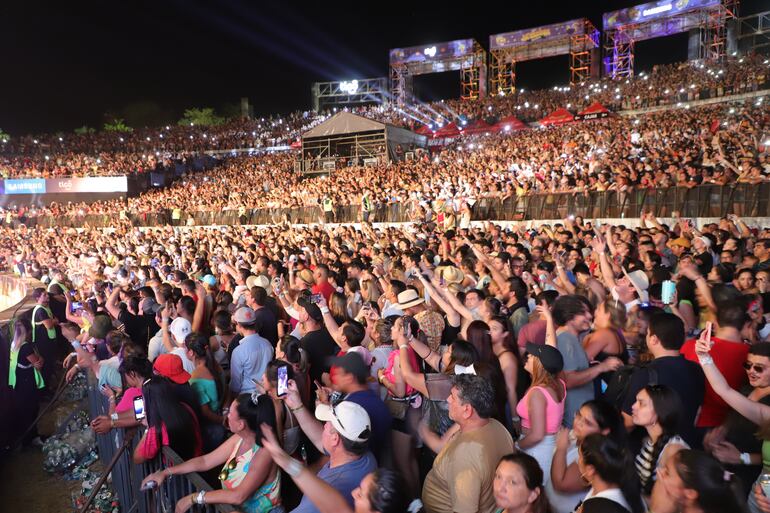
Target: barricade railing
702,201
127,476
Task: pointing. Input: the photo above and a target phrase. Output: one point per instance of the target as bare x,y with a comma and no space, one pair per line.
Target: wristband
706,360
200,499
325,310
114,416
404,346
76,345
746,458
294,468
297,408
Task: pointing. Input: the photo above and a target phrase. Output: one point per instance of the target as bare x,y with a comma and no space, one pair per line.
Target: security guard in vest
328,207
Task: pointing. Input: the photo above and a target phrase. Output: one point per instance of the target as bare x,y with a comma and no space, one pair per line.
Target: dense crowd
573,367
718,144
112,153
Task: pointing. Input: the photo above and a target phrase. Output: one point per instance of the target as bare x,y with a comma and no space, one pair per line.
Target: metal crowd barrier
702,201
127,476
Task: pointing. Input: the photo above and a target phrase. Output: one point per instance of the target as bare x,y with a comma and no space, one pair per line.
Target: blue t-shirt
344,479
379,418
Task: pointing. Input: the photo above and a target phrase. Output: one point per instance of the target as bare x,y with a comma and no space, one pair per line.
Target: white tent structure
356,140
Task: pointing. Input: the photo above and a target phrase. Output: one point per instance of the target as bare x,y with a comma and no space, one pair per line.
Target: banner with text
537,34
64,185
432,53
653,11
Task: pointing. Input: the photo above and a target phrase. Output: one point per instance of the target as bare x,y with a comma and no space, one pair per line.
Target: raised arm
312,428
325,498
453,316
113,302
200,307
331,325
754,411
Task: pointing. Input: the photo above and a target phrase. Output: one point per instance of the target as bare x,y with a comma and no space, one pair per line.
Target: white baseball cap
348,418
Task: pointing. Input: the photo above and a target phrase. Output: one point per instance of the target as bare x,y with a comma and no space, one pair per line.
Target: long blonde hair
369,291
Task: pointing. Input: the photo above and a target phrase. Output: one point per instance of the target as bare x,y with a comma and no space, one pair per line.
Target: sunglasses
757,368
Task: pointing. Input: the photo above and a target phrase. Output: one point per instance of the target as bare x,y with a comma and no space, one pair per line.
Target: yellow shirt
462,474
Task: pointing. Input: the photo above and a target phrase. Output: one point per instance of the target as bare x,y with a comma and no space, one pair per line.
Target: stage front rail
703,201
127,476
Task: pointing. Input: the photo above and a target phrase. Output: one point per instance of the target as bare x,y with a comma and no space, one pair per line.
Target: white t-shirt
188,364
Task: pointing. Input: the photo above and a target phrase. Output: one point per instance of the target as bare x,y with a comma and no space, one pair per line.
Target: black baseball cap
549,356
311,308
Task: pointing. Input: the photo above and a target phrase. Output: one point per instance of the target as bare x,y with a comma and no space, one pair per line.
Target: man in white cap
252,355
431,323
343,433
631,289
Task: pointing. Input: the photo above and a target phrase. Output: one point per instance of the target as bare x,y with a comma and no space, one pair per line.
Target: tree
201,117
117,125
85,129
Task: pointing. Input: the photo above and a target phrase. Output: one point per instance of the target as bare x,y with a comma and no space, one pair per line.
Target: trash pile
72,450
105,501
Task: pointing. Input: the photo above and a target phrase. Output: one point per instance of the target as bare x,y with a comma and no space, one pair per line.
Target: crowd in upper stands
724,143
142,150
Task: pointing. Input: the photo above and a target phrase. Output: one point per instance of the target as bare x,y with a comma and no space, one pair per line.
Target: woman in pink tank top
542,407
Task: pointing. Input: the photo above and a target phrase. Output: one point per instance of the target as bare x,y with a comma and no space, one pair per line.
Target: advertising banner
530,35
88,184
653,11
432,53
25,186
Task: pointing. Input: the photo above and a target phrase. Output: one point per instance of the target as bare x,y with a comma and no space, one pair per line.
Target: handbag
399,406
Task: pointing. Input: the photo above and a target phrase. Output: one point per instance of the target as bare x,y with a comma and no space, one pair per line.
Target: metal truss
579,46
354,92
619,63
502,72
754,33
472,67
712,22
713,32
581,54
473,74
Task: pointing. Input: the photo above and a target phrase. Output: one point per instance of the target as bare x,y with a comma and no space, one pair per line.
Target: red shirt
729,358
325,289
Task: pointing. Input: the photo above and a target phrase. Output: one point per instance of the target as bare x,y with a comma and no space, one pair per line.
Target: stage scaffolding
465,55
577,37
754,33
623,28
349,93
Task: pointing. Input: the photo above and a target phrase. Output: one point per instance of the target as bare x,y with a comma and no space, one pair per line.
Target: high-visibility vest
328,204
51,331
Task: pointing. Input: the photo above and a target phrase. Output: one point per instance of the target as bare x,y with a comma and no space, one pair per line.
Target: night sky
67,64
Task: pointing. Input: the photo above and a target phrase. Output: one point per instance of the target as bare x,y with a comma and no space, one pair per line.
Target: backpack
618,387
